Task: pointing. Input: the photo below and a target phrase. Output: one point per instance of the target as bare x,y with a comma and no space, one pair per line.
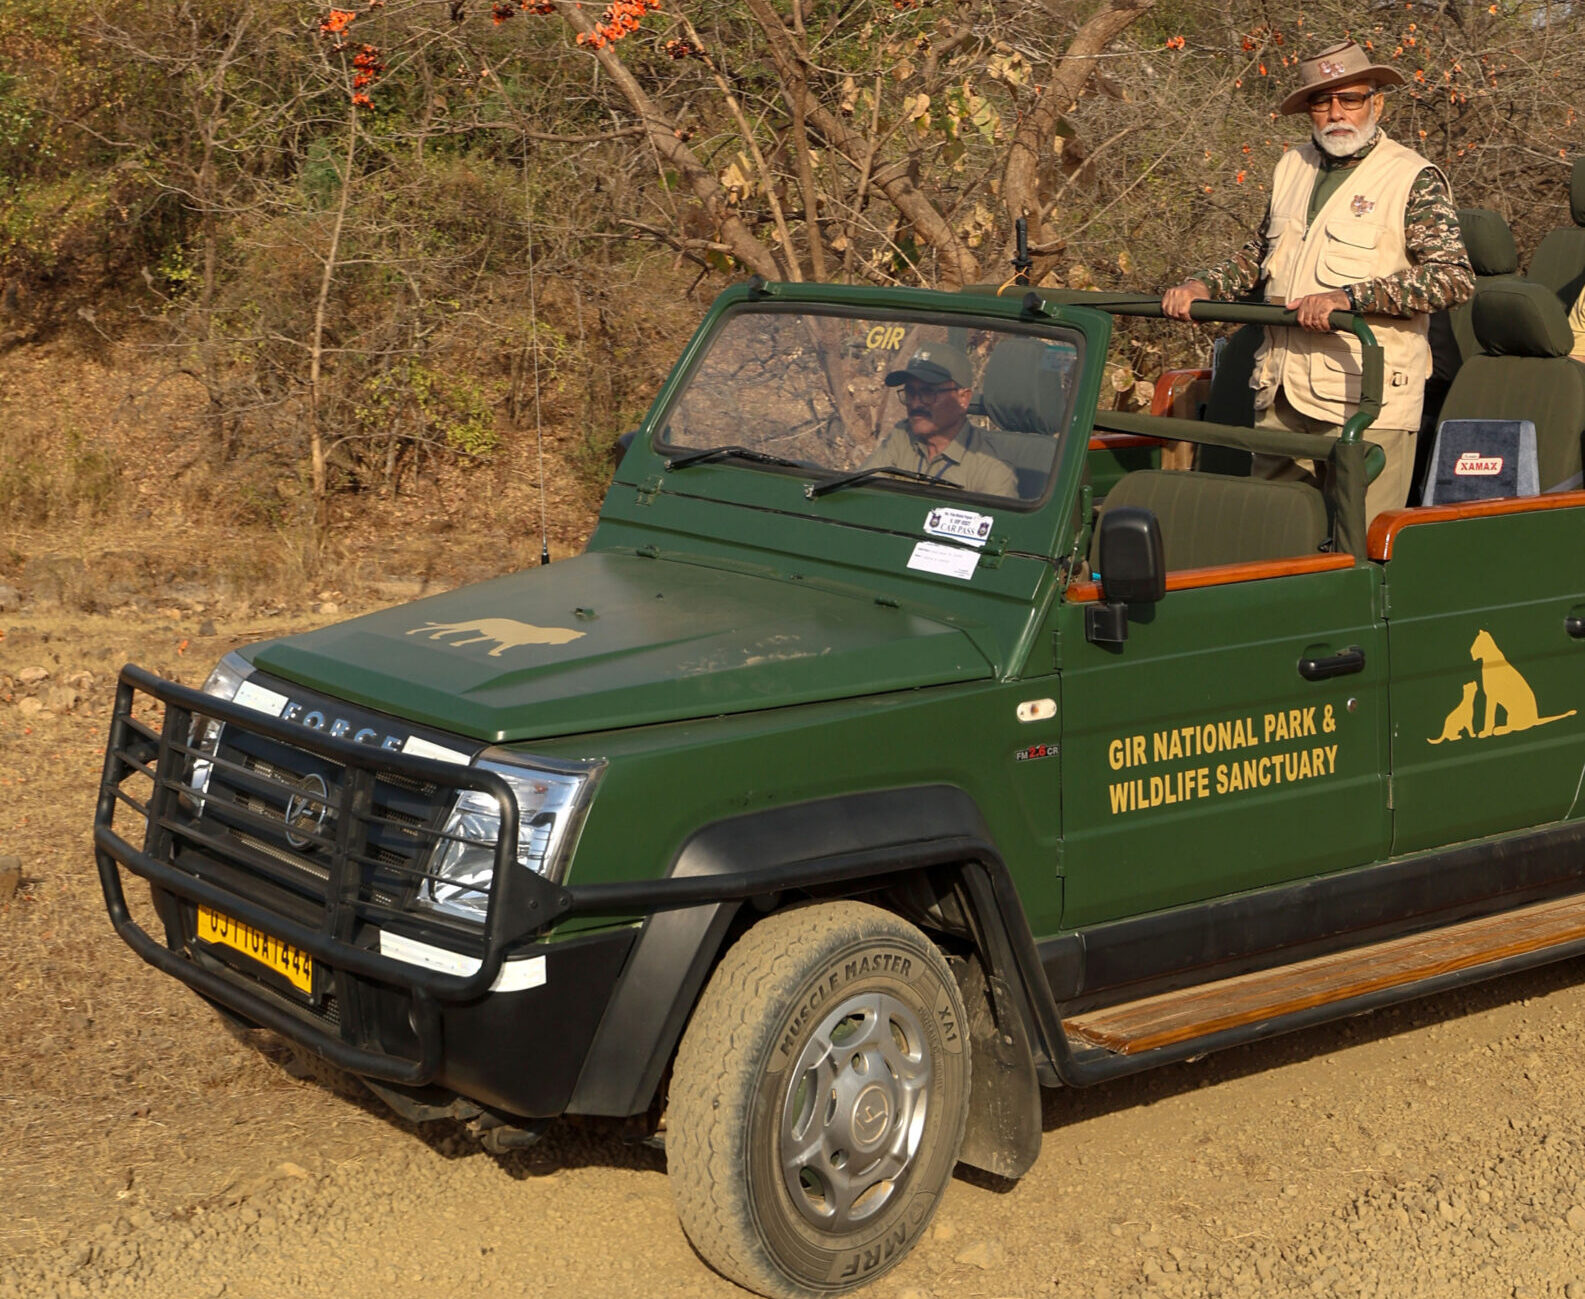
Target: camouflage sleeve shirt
1439,276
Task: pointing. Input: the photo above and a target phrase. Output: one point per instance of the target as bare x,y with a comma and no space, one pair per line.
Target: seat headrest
1517,318
1490,243
1576,193
1025,385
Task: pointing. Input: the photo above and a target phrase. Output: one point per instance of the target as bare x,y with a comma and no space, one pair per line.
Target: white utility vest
1357,235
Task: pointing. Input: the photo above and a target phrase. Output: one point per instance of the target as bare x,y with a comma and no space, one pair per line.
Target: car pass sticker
960,525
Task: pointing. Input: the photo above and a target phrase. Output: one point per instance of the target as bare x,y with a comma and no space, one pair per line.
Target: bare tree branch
787,54
1021,180
665,136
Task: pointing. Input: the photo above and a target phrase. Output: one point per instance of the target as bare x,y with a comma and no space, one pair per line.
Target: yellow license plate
295,965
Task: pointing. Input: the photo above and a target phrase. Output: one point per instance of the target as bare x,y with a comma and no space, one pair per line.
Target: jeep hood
608,640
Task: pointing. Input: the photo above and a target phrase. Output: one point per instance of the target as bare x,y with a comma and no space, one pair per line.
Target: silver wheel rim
854,1111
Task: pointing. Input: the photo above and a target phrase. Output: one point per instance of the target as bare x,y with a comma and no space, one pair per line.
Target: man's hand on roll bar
1175,302
1315,309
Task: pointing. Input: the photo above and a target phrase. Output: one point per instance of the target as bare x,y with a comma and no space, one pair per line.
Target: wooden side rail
1171,387
1121,441
1182,1016
1186,579
1386,526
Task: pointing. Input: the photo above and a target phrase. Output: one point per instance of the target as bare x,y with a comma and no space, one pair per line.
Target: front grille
266,779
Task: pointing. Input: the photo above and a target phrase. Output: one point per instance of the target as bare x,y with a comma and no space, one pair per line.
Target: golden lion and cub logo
1507,694
508,633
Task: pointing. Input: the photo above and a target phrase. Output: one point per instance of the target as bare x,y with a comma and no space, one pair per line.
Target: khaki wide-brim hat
1337,66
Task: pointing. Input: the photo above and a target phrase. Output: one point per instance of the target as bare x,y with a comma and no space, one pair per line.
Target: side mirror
1133,571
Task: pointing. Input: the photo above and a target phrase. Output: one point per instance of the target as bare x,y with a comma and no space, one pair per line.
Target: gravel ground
1434,1150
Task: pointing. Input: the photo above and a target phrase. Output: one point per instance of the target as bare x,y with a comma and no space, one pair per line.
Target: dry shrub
66,479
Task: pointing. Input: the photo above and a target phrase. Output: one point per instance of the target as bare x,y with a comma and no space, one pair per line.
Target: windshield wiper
814,490
721,453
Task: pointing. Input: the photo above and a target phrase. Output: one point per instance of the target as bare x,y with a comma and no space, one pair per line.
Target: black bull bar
178,845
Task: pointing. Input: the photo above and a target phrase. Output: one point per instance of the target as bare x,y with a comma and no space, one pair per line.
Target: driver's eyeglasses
920,392
1350,101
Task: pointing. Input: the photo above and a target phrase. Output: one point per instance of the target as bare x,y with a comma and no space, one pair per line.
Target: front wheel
818,1100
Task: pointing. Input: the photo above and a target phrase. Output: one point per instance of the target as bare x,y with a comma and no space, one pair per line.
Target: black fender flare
854,842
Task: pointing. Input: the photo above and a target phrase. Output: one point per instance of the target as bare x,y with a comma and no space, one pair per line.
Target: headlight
223,683
551,800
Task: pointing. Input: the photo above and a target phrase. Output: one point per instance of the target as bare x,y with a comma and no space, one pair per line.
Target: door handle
1333,665
1574,625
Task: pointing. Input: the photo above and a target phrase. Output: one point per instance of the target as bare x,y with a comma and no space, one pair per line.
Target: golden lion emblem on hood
508,633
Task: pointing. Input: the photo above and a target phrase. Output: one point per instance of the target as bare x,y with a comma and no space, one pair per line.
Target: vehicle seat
1209,519
1525,372
1493,255
1232,401
1559,261
1025,394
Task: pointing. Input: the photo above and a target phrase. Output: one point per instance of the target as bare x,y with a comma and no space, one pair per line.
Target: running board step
1189,1013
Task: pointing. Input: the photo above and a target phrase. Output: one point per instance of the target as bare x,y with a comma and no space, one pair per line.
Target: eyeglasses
1349,101
920,392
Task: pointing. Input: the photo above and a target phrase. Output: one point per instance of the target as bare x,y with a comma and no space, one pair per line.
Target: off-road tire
849,1003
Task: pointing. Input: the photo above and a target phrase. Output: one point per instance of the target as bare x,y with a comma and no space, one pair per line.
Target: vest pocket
1349,254
1335,375
1283,237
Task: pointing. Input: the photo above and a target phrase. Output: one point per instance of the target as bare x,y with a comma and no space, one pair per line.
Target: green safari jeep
825,809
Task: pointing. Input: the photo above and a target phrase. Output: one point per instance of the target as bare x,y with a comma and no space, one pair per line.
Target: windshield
965,409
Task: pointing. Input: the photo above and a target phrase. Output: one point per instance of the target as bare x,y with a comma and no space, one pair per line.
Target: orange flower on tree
621,18
366,67
338,21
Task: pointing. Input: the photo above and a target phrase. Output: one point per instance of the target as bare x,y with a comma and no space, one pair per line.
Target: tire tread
709,1102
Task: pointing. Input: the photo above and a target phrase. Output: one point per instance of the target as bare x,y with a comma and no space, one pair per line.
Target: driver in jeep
935,437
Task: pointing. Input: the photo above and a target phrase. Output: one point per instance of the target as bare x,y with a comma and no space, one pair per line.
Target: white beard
1339,140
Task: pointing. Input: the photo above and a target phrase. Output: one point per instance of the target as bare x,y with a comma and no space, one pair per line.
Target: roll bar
1355,463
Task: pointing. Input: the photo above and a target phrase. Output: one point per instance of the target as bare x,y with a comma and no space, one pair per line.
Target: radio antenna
533,343
1022,262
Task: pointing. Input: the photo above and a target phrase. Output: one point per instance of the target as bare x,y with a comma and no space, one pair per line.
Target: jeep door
1486,623
1236,738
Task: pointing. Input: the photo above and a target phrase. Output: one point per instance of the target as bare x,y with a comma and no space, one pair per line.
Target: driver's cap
934,363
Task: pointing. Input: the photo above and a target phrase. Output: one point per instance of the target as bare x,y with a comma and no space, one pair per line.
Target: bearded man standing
1357,222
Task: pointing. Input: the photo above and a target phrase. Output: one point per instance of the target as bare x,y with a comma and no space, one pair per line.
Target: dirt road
1434,1150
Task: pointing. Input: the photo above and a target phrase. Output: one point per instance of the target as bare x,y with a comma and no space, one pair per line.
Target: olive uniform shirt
962,464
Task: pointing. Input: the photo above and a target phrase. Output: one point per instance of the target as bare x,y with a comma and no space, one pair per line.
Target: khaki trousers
1390,491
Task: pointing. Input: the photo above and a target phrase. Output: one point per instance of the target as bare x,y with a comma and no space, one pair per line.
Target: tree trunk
959,265
1021,180
316,347
665,136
